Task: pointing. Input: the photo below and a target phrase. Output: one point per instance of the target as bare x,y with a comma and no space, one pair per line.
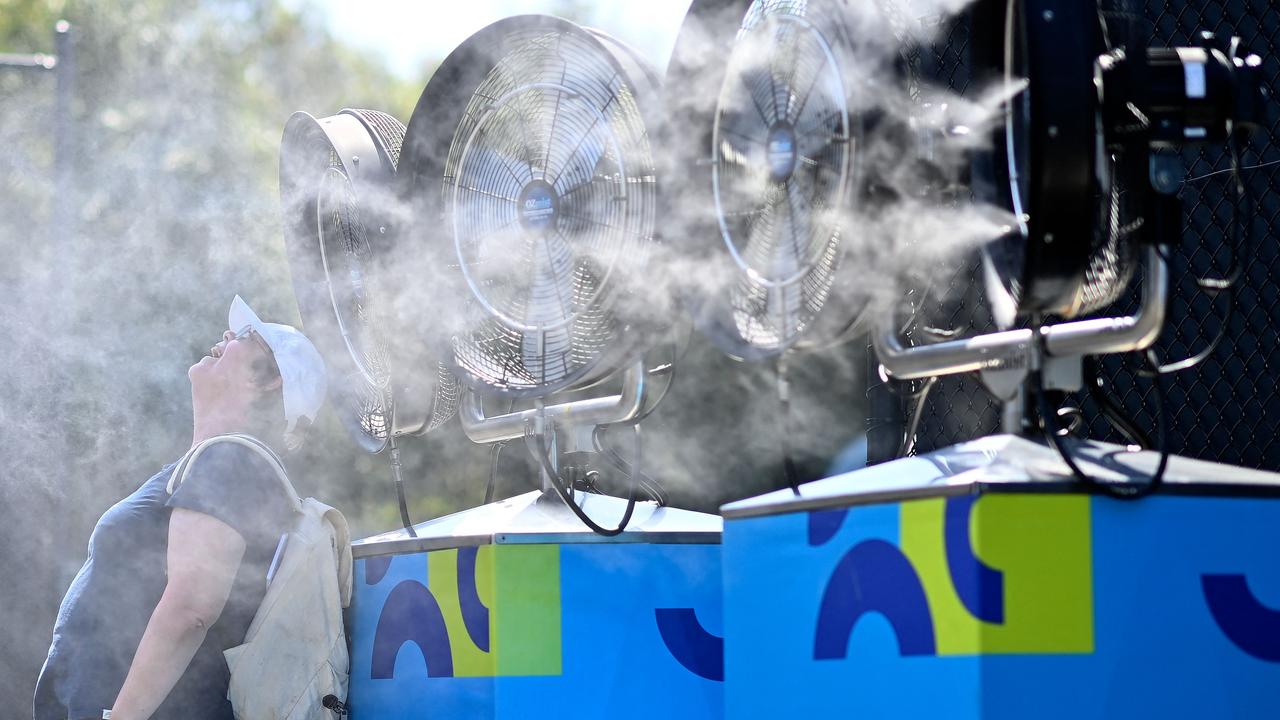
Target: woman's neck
211,422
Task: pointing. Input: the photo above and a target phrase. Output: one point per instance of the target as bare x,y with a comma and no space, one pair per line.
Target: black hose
1121,491
1241,251
1111,410
538,443
404,506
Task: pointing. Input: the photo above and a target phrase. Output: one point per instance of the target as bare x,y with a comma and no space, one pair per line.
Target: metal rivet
1053,131
355,159
1048,16
1048,238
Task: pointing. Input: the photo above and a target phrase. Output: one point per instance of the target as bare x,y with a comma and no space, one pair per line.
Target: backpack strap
342,545
183,467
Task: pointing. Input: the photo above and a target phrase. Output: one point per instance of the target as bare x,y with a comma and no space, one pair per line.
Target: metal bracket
1063,373
1011,349
577,413
1004,383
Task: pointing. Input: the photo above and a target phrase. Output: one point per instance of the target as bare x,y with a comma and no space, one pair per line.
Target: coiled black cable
1124,490
1111,410
1241,250
538,446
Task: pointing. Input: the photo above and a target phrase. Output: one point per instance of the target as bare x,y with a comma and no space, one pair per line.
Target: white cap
302,372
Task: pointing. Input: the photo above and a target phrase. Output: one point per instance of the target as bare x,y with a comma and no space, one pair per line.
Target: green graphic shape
520,585
1041,546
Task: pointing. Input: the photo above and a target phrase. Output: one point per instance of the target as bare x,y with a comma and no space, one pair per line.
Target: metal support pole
884,414
64,141
62,64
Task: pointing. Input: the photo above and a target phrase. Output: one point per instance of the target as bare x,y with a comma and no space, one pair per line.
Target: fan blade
813,81
783,55
550,307
583,148
743,181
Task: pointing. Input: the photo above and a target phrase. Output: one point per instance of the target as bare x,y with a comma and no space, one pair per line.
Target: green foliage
177,117
26,25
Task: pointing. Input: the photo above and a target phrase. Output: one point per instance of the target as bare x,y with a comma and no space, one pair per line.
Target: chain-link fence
1226,408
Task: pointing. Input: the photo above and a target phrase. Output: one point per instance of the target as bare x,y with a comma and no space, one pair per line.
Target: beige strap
183,467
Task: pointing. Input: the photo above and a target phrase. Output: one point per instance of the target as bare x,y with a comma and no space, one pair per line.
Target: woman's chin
199,367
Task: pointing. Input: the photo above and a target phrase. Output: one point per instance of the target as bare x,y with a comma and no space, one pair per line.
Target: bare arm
204,555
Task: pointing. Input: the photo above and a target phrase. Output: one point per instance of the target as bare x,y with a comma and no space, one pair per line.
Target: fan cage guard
781,141
344,250
339,311
1107,264
549,191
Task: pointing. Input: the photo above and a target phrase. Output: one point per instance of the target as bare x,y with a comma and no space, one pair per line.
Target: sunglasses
248,332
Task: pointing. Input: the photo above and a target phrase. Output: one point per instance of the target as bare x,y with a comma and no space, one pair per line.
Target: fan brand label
538,210
537,205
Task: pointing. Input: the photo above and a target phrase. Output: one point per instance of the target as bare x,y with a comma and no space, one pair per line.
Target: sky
411,33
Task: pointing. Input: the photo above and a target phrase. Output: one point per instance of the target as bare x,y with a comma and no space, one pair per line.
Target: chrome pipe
1115,335
590,412
1006,349
1012,348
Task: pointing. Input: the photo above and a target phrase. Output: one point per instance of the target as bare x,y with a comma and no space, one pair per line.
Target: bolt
355,159
1048,238
1048,16
1053,131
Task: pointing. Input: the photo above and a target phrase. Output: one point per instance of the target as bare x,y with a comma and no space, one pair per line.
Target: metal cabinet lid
1007,463
538,518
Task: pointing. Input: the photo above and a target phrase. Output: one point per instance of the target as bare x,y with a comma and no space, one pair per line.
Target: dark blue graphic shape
475,615
979,586
824,524
1247,623
411,614
690,644
873,577
375,568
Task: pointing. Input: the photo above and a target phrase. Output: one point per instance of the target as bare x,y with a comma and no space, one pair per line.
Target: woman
173,580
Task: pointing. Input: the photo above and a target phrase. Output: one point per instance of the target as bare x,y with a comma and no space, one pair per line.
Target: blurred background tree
178,115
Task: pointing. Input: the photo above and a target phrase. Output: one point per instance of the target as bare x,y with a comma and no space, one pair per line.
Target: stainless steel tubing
594,411
1012,348
1124,334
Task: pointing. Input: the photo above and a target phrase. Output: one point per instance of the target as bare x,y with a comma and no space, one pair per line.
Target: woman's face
231,365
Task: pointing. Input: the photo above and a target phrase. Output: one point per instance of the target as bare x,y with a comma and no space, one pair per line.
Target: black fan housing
337,197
